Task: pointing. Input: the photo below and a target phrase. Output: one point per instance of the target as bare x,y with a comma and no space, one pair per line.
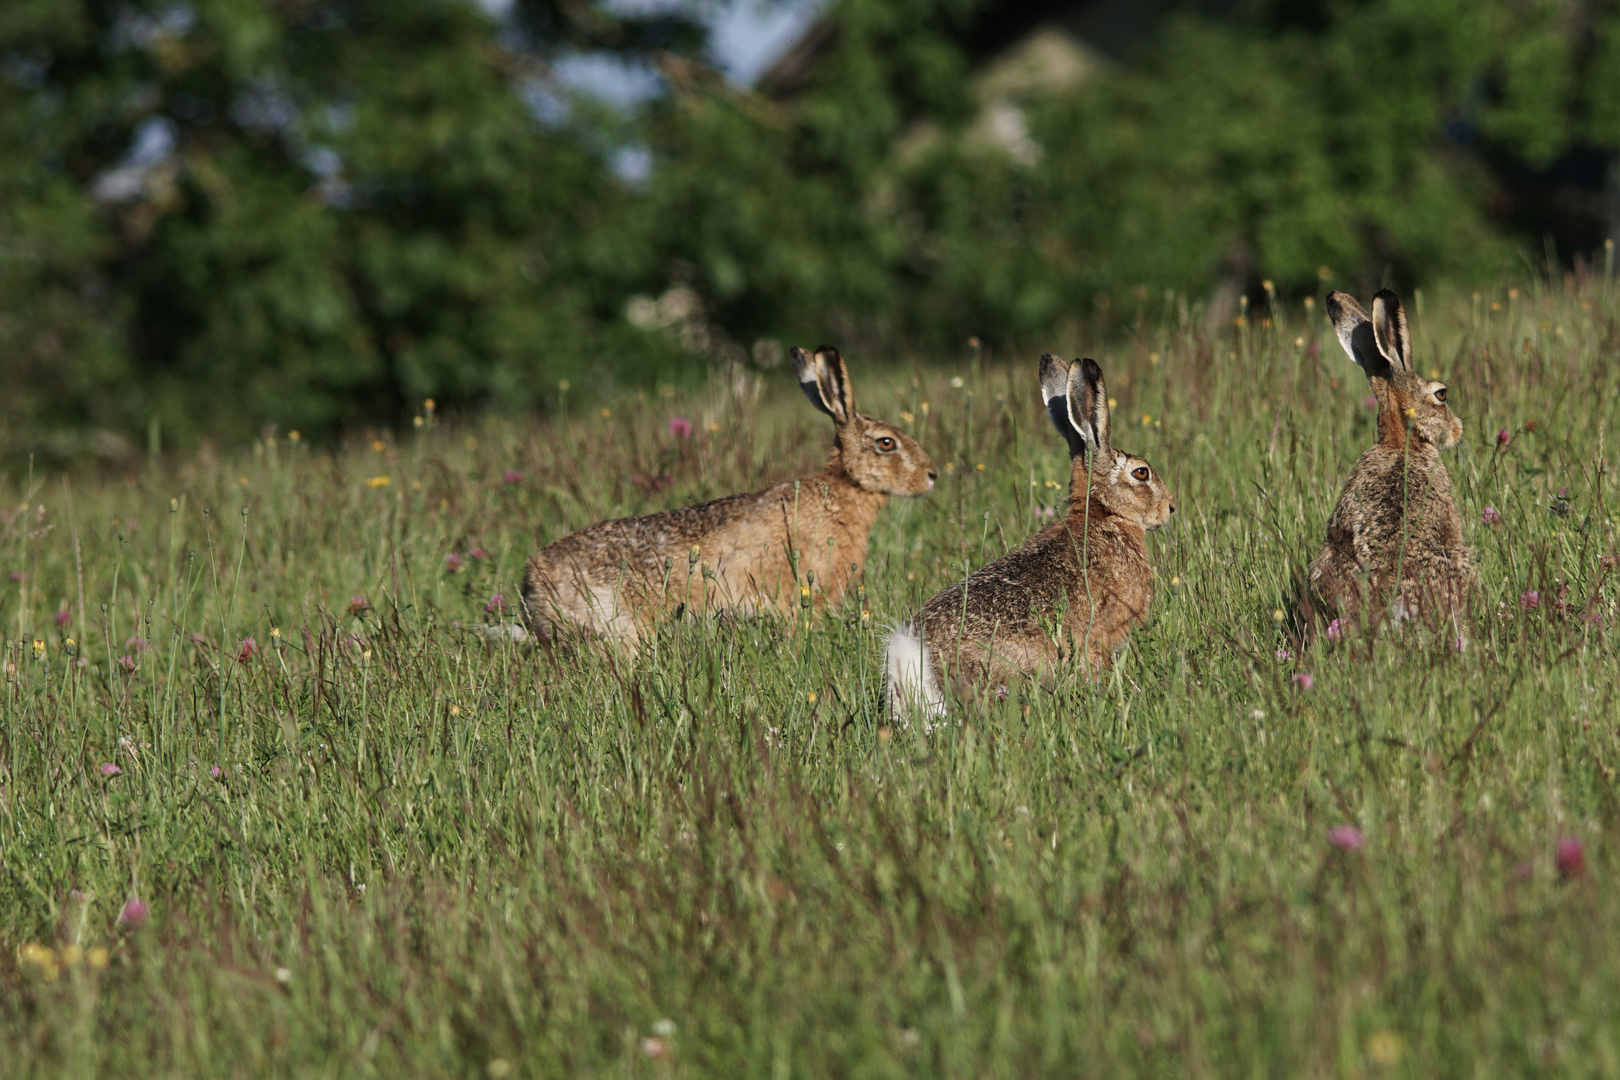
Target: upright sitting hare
743,553
1080,584
1395,536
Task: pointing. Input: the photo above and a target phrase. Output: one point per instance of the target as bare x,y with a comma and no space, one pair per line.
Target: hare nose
933,475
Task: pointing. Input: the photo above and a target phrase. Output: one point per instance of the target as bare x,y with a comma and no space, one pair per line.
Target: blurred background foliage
222,214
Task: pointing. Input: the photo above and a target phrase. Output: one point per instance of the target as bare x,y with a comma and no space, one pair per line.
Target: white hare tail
911,674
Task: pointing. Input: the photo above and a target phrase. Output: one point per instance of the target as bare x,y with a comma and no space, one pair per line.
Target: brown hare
1077,586
1395,536
742,554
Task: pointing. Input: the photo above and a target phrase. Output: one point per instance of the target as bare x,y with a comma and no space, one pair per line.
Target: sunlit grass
269,804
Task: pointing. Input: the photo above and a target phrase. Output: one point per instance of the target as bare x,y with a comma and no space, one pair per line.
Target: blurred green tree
224,213
1291,143
216,214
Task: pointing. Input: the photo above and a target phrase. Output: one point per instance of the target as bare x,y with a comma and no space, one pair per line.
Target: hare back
619,577
1395,523
1074,584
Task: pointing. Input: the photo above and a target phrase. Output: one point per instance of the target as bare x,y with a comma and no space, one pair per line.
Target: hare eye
1141,474
885,444
1440,395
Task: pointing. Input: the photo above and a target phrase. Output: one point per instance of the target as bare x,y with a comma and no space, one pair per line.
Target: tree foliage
219,214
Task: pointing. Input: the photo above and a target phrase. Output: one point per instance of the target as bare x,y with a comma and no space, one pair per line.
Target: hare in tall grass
1077,587
1395,537
742,554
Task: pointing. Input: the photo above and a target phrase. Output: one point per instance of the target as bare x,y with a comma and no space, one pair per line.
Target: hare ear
825,381
1356,335
1088,404
1389,328
1055,392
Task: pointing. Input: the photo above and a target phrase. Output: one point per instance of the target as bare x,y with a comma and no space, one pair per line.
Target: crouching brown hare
1394,540
1076,588
742,554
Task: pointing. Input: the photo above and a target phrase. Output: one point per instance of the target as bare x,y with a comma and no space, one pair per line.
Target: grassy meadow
272,802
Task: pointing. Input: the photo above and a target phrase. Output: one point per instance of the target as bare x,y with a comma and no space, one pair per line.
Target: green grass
428,854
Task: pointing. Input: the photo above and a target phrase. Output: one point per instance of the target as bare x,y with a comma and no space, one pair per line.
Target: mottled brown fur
1077,587
1394,541
618,579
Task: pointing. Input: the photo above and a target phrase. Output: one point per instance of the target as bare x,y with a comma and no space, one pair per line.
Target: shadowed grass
428,853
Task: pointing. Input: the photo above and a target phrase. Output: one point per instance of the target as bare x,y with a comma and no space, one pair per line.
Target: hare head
1124,484
1382,347
875,456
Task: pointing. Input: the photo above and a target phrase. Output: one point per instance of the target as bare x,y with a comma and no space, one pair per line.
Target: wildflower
135,913
1283,655
680,427
18,575
62,616
496,604
1370,402
358,604
1001,692
478,553
1335,630
127,663
1530,599
378,446
811,697
452,562
1303,680
1384,1048
1347,838
97,957
512,476
136,644
907,417
1570,857
654,1047
247,650
607,414
1502,439
1491,516
1043,512
378,481
39,648
1277,615
42,957
1529,425
110,769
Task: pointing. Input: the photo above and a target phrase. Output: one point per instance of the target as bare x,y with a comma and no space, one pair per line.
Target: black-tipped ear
1055,392
1088,404
1389,330
1356,335
825,381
